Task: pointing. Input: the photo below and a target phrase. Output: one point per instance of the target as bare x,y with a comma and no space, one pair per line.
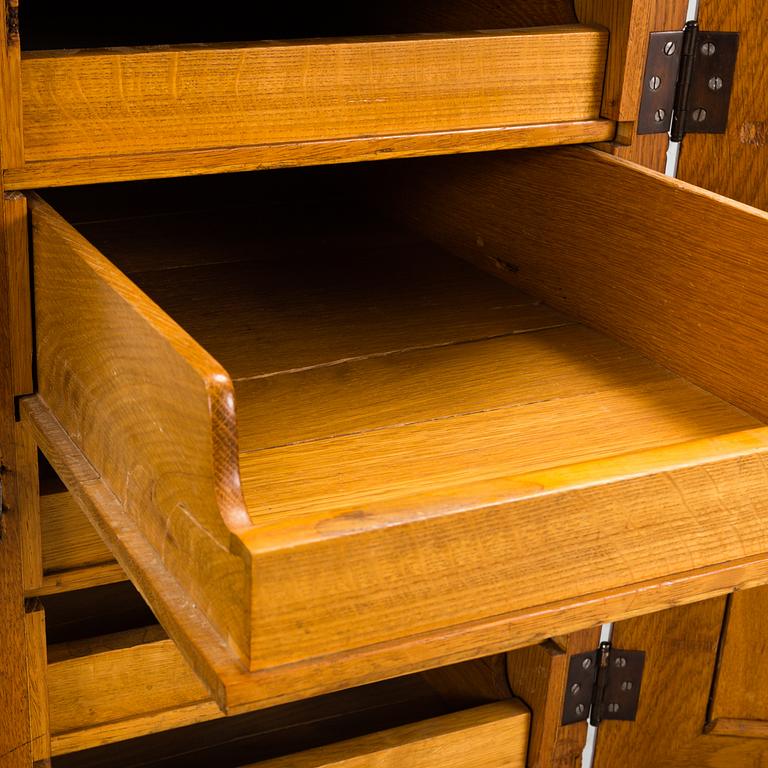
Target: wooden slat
629,25
39,726
57,173
699,314
118,101
15,234
29,507
494,736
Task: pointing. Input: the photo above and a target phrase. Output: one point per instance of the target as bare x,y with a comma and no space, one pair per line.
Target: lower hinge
603,685
688,82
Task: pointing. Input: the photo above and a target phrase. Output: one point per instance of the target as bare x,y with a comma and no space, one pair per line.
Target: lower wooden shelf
420,450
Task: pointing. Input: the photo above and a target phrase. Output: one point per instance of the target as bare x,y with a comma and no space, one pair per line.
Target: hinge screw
575,688
613,707
586,664
620,662
708,49
579,709
715,83
700,115
659,115
626,685
655,83
669,48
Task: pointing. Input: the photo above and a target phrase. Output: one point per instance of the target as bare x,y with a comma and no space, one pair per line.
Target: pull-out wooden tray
327,450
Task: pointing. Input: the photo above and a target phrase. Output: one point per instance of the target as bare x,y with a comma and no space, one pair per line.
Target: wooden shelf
337,442
109,114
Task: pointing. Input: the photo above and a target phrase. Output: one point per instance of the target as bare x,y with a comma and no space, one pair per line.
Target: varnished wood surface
629,24
206,97
538,676
39,719
740,694
585,259
57,173
15,736
250,690
587,439
494,736
11,119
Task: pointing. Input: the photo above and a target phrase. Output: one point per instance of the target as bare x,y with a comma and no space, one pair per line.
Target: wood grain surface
11,104
492,736
80,104
56,173
586,259
39,718
628,22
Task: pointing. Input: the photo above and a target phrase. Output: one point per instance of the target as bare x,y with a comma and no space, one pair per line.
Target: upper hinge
603,685
688,82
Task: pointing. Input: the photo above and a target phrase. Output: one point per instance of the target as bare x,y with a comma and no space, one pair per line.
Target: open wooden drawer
95,93
329,451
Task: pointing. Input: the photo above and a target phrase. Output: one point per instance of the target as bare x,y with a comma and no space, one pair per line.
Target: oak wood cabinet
355,422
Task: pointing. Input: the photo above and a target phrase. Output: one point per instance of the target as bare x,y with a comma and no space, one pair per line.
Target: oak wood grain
186,488
56,173
11,105
15,737
20,297
206,97
39,718
239,690
494,736
585,261
629,24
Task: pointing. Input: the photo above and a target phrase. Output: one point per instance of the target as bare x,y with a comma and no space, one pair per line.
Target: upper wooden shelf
91,115
327,450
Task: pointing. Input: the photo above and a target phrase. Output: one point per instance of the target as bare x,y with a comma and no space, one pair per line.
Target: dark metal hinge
603,685
688,82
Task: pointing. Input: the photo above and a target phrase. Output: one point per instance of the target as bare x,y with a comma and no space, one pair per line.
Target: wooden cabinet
350,426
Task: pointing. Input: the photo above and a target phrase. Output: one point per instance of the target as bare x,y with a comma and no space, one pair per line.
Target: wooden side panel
29,508
537,675
88,103
493,736
593,236
96,335
735,164
628,22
